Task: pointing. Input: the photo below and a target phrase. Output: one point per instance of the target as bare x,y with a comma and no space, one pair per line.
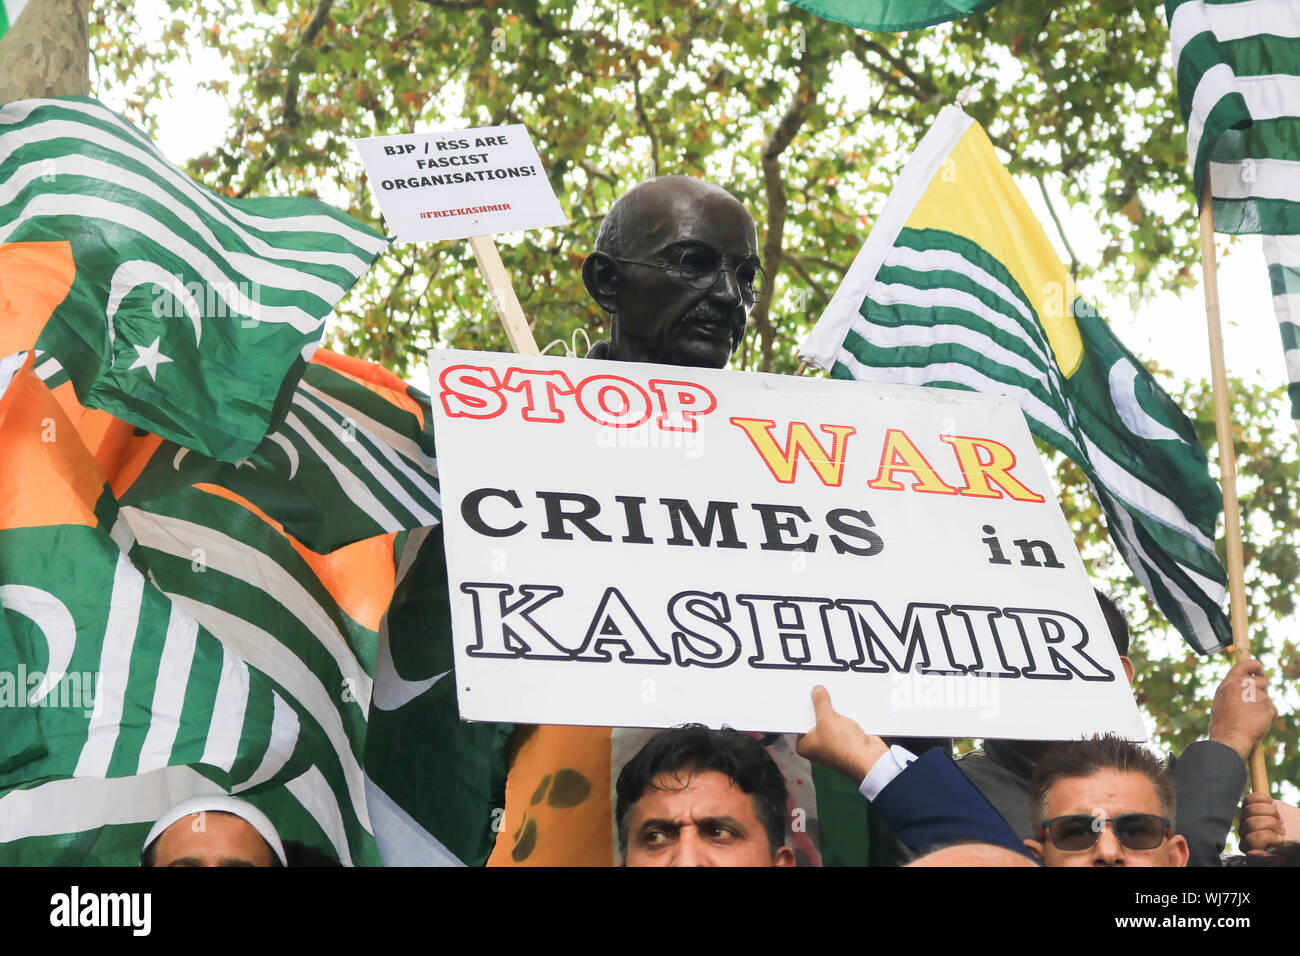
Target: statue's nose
726,286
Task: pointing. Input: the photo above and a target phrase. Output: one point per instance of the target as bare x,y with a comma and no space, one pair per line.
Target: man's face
663,316
212,839
1107,794
703,820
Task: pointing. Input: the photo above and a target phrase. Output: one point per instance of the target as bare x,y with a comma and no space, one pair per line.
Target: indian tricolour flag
957,286
1238,71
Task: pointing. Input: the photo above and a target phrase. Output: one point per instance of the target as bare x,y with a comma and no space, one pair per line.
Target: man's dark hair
1072,759
694,748
1115,621
150,853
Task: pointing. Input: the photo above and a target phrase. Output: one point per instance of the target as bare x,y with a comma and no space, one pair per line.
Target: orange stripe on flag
34,278
48,477
360,577
374,377
120,451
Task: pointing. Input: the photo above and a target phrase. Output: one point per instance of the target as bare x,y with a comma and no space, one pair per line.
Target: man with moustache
676,267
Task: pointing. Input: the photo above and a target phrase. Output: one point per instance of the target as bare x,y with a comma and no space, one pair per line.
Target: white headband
220,803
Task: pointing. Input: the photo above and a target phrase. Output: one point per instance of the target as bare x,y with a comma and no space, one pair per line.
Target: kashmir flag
1238,71
9,11
349,474
136,703
189,311
356,661
957,286
893,16
436,783
353,458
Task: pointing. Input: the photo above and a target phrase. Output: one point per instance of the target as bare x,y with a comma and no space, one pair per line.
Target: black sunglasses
1080,831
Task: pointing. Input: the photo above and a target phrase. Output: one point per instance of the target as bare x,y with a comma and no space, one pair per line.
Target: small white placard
459,183
636,545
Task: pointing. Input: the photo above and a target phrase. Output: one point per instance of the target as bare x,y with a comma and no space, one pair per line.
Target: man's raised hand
1261,824
1242,711
838,742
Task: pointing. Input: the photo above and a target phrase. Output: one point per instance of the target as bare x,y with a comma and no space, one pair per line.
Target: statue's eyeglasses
700,269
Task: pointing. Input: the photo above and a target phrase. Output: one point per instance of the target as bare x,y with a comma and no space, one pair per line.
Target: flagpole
1227,463
503,295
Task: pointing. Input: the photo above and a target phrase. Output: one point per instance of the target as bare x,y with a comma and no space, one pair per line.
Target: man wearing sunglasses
1208,776
1104,802
676,267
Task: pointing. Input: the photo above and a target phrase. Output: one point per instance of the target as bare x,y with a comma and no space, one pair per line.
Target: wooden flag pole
503,295
1227,464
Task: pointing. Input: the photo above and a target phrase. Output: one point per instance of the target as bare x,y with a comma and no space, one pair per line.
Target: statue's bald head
650,209
675,266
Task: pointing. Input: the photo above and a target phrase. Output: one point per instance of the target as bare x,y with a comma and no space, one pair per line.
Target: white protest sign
459,183
643,545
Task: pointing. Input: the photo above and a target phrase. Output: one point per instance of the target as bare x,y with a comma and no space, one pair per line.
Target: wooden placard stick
503,295
1227,464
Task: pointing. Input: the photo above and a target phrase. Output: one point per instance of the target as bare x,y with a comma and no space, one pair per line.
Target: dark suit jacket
930,805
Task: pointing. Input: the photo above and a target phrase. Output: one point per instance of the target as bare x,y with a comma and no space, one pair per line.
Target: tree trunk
46,52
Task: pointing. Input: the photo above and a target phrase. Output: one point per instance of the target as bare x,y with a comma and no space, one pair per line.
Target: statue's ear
600,275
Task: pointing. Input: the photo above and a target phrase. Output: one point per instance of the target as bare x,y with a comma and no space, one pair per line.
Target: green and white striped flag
344,619
436,783
958,286
137,703
1238,72
893,16
188,310
353,458
9,11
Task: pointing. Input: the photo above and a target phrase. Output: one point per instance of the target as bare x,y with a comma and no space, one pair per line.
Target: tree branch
308,37
922,89
796,264
824,263
289,111
774,185
645,119
1060,230
591,169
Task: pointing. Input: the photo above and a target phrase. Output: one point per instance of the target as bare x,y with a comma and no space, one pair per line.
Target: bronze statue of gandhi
676,267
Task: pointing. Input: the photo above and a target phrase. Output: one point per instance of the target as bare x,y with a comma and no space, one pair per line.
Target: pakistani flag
9,10
376,764
957,286
187,311
353,458
1238,69
893,16
116,701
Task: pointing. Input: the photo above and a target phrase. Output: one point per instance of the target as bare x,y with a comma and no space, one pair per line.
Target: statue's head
676,266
